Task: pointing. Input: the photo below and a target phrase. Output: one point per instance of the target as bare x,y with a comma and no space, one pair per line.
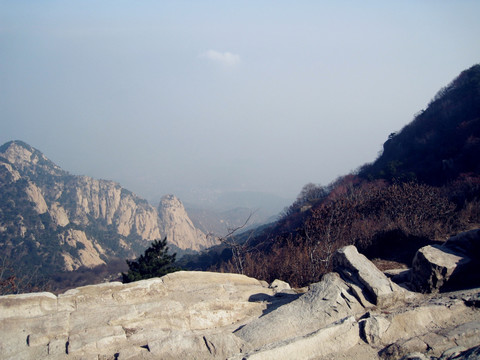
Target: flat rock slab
27,305
340,335
114,318
326,302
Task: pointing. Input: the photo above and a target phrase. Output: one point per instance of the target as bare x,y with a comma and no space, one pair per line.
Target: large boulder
436,267
448,266
358,269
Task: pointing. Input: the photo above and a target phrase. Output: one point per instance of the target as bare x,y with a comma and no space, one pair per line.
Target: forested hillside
442,143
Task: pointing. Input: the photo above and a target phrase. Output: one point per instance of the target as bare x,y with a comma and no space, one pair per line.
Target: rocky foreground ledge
356,312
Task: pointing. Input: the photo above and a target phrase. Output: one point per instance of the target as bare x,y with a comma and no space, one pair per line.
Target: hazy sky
187,96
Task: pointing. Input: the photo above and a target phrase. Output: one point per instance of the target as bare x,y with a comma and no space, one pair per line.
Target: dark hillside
441,143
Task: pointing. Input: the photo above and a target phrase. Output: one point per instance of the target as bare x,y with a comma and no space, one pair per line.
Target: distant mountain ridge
53,221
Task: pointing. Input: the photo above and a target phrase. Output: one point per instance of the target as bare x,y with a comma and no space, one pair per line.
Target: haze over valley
211,98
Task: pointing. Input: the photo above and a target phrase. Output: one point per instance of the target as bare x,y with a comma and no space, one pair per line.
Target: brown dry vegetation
387,221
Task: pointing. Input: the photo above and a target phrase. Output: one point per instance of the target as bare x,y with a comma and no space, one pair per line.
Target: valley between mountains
52,222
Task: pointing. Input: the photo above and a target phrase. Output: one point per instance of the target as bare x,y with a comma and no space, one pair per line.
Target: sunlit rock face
65,221
181,313
115,206
355,312
178,228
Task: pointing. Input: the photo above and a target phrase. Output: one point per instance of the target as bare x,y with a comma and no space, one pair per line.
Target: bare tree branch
238,250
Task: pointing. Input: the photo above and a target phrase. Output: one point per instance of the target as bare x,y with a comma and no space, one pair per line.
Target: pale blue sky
182,96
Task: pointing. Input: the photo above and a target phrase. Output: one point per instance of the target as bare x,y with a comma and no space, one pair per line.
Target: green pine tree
155,262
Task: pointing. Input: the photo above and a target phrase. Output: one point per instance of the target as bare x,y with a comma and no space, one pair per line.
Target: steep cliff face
54,221
178,228
108,202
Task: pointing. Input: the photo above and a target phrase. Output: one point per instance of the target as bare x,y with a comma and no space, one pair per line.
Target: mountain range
52,221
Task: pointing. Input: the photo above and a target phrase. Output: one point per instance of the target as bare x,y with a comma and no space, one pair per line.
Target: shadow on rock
275,301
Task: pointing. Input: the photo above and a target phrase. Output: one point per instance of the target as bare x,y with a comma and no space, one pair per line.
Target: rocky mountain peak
28,159
63,221
170,201
177,226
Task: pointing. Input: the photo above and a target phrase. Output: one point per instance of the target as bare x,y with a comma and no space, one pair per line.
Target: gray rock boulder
452,265
358,269
437,268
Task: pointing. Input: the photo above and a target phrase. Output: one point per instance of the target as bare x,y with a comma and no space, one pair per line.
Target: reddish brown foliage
356,214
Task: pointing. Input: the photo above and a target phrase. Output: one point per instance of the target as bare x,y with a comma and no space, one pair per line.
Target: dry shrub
14,282
356,215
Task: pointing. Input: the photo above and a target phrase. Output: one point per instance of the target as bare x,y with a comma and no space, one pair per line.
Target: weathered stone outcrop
325,303
451,265
359,270
354,313
162,318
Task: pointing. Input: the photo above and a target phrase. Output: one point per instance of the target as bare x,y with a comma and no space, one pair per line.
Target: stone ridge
203,315
129,318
